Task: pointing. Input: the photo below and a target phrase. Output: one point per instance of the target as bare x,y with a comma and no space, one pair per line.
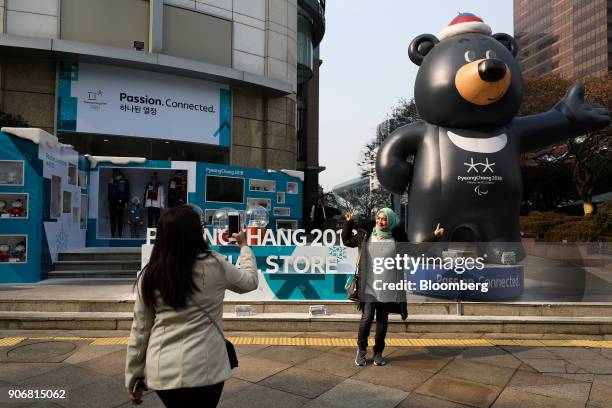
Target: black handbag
231,351
352,290
352,287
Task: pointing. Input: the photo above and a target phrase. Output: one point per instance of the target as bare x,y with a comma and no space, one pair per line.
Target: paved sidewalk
326,376
70,289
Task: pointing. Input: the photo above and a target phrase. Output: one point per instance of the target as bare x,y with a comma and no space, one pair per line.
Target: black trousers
207,396
116,221
153,216
368,309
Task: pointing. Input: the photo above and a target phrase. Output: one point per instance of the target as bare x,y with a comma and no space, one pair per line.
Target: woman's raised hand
348,216
438,232
240,238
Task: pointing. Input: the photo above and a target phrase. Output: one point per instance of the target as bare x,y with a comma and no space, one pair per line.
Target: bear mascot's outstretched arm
570,117
392,169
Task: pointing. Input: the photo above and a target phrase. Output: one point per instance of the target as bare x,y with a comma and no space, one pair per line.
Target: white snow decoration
94,160
35,135
294,173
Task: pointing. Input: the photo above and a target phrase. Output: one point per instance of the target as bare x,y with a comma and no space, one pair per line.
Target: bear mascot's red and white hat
464,23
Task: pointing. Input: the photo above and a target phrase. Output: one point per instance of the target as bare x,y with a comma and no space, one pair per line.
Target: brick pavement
326,376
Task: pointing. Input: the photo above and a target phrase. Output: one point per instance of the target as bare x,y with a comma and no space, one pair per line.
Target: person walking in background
318,215
322,216
174,348
377,242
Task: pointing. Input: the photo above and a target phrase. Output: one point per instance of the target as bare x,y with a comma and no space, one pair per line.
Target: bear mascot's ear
420,47
507,41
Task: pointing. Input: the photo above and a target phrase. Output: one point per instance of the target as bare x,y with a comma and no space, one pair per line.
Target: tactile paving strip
345,342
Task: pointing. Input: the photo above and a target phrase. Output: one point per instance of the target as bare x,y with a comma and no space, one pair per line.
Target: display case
223,189
287,224
13,248
130,203
292,187
14,205
66,202
72,174
82,179
281,212
264,202
55,202
262,185
11,172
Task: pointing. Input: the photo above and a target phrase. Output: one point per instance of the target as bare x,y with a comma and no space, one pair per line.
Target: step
301,322
561,309
101,254
109,274
52,306
423,323
96,265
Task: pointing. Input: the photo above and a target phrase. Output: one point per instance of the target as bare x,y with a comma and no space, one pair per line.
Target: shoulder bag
352,286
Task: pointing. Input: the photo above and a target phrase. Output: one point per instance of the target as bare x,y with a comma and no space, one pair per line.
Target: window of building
301,134
117,23
153,149
305,47
198,36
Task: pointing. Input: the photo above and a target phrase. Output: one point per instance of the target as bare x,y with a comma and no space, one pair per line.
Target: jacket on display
177,191
118,191
135,216
154,196
181,348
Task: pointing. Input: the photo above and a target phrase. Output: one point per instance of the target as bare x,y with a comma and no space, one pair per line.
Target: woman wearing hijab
378,242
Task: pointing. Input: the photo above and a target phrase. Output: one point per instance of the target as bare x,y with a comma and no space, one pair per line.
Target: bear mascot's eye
490,54
470,56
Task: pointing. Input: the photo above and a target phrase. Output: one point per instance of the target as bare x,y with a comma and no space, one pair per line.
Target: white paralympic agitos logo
480,192
474,166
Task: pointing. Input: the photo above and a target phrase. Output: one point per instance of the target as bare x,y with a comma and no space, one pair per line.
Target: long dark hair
178,243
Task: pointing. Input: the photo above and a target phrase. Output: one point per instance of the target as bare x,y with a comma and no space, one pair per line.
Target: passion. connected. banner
105,99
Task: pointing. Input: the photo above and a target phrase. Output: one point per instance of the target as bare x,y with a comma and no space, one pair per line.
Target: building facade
207,80
569,38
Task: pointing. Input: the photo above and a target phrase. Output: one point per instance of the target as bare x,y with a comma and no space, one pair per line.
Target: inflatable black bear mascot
466,149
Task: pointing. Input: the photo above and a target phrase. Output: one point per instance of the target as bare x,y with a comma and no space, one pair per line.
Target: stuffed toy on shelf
13,177
5,252
19,252
135,217
17,209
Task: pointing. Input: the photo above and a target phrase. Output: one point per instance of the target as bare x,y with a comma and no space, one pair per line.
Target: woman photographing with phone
377,242
176,345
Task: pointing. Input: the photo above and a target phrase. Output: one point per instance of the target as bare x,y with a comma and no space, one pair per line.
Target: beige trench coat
182,349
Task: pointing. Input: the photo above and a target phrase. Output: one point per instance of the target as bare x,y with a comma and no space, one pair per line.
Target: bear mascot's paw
584,116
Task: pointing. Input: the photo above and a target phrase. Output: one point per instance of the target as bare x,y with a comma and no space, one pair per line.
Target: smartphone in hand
233,224
139,388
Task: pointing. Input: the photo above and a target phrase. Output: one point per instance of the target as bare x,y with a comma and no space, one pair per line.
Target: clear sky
366,68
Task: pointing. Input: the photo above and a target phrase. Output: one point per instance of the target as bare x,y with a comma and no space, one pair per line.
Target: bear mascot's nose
492,70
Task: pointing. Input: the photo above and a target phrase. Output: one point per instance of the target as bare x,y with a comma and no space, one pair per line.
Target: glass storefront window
304,47
153,149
